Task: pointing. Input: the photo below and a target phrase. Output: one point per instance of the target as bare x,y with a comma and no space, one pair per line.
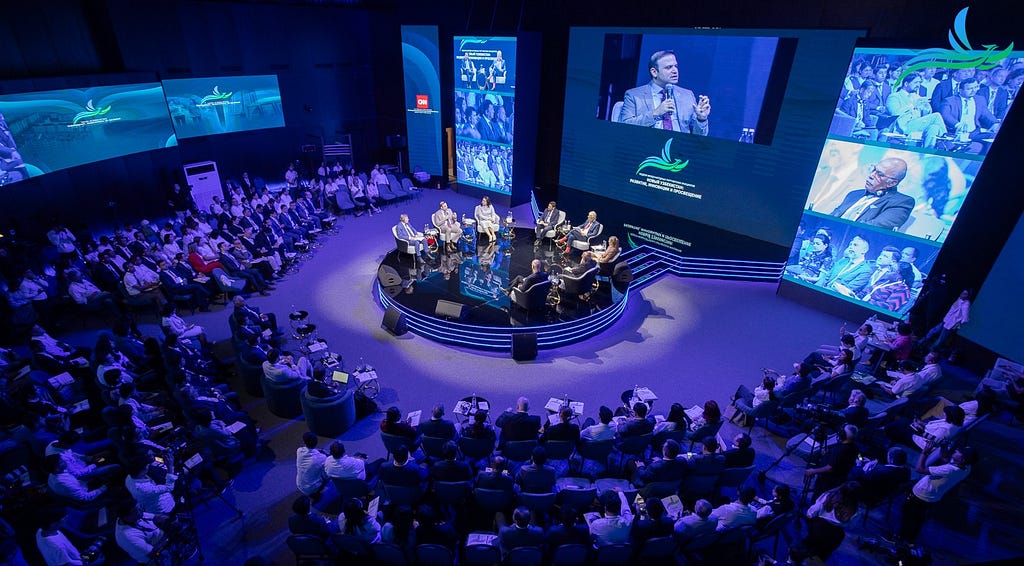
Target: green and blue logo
961,55
664,161
217,96
90,113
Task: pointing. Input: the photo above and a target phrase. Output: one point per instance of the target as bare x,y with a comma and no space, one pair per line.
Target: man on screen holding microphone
661,104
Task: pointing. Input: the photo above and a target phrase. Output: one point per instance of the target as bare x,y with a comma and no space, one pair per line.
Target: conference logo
664,161
218,98
961,55
91,115
422,101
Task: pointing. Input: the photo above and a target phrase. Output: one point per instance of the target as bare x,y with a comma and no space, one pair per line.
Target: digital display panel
422,73
219,105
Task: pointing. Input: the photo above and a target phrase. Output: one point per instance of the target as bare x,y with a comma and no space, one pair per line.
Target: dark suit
661,470
635,427
942,91
511,537
309,525
952,109
1001,100
492,480
409,475
739,457
451,470
850,108
582,232
536,479
235,269
561,431
891,209
439,428
546,221
558,535
638,109
855,277
487,130
524,283
881,480
517,426
707,464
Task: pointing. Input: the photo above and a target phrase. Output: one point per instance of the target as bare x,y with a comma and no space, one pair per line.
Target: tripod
818,435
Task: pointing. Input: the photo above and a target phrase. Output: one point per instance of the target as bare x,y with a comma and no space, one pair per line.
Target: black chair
533,298
284,399
703,431
308,548
607,267
525,556
773,530
402,494
538,503
635,446
453,493
476,449
578,498
352,549
481,555
494,500
658,550
594,451
433,447
329,416
699,486
349,488
731,547
392,442
518,450
558,450
659,489
570,555
733,478
251,376
385,554
614,554
434,555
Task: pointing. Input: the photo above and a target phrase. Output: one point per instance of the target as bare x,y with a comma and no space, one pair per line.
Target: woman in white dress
486,218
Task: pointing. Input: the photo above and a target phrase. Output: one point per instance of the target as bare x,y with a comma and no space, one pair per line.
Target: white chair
584,244
552,229
402,245
616,111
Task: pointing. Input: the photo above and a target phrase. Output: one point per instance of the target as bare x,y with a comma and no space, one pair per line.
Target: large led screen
46,131
909,134
219,105
718,127
422,72
485,82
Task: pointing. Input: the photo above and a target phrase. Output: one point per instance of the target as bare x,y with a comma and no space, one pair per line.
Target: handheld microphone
670,95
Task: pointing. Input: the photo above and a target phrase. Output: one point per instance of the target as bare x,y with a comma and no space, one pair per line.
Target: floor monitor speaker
394,322
524,346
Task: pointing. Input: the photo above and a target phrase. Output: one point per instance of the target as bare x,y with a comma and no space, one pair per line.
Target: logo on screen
91,115
664,161
961,56
422,101
218,98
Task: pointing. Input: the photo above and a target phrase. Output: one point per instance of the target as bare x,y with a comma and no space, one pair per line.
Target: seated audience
520,533
354,521
518,424
737,513
304,522
309,467
615,522
342,466
694,524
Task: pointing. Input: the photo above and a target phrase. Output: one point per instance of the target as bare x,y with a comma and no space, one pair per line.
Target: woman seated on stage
611,253
486,218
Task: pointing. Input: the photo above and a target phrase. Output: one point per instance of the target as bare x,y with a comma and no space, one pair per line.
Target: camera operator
840,460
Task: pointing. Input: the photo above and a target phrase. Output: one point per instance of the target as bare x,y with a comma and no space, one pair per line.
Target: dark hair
640,408
710,444
712,413
310,439
393,415
747,494
656,56
301,505
337,449
605,414
743,440
676,414
539,456
355,515
670,448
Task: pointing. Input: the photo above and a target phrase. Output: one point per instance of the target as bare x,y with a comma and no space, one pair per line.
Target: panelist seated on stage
537,275
487,220
584,231
547,221
586,263
662,104
405,231
447,224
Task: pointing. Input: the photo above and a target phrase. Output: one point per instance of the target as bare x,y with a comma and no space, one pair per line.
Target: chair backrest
386,554
434,555
570,555
734,477
660,489
634,445
657,549
559,449
738,535
537,502
403,494
697,486
596,450
349,488
344,200
433,446
518,450
774,526
701,542
393,442
618,554
307,546
476,448
525,556
616,111
452,492
492,500
579,498
351,546
481,555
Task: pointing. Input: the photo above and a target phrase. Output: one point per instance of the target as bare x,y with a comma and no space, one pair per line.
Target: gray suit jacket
638,109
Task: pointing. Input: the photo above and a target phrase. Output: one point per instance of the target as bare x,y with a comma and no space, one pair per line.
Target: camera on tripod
820,414
896,552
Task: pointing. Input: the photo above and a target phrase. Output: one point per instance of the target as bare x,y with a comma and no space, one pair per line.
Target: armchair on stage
533,298
404,246
578,286
552,229
583,244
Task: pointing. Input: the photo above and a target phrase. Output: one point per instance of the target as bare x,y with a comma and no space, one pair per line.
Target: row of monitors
47,131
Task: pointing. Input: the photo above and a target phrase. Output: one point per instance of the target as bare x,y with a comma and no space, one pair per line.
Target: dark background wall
339,63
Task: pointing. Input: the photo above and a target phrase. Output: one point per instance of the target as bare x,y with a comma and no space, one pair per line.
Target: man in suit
661,104
234,268
709,461
584,231
967,113
518,424
563,430
913,111
638,424
852,272
949,86
536,476
546,221
995,95
697,523
405,231
402,471
519,533
488,129
859,108
667,468
438,426
450,469
495,476
881,480
880,203
177,285
537,274
741,454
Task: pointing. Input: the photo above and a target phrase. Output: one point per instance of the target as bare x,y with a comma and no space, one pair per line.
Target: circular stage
457,297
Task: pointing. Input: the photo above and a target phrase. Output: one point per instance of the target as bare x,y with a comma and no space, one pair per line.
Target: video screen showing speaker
718,127
485,72
219,105
908,137
421,66
46,131
486,277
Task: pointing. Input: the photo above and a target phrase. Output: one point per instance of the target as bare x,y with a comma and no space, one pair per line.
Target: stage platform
457,297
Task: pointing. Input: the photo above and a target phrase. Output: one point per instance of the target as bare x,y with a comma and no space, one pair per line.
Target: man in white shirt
737,513
697,523
53,544
957,315
936,482
614,525
906,384
342,466
137,533
152,497
603,430
64,484
309,467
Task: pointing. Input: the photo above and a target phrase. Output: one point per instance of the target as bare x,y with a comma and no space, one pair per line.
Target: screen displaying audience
906,142
422,72
219,105
485,76
719,127
47,131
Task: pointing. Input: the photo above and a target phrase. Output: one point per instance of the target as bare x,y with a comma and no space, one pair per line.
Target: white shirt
939,430
908,384
734,514
958,314
599,431
152,497
66,485
57,550
138,540
940,479
309,469
614,529
346,467
80,291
